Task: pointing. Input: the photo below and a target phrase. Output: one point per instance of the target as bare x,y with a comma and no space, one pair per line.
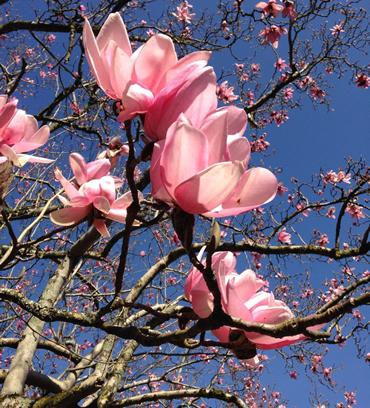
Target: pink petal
108,189
114,29
31,129
247,284
69,216
98,169
69,188
7,113
135,99
120,67
239,149
101,227
16,129
237,120
202,303
258,186
209,188
234,305
191,93
34,142
215,128
79,168
198,59
184,154
156,58
79,201
101,204
94,58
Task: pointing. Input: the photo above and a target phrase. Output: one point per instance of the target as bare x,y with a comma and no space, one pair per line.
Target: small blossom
284,237
183,13
362,80
280,64
272,35
289,10
270,8
337,29
323,240
225,94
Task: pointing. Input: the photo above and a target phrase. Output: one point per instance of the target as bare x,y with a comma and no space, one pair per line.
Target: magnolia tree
152,253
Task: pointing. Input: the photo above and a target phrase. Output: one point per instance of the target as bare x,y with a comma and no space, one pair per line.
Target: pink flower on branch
19,133
133,78
272,35
225,94
241,297
95,198
183,13
289,10
284,237
202,169
362,80
337,29
270,8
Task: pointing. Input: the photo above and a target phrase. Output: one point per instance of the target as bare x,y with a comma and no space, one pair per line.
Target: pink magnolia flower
270,8
241,297
203,169
289,10
337,29
94,198
362,80
133,78
355,211
284,237
280,64
225,94
183,13
272,35
19,133
115,149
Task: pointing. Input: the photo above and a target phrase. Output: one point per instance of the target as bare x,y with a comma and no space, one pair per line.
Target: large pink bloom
241,298
203,169
133,78
19,133
94,198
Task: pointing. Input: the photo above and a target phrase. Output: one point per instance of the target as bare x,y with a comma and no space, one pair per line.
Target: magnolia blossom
272,35
133,78
284,237
241,297
289,10
202,168
93,195
270,8
183,13
19,133
226,94
115,149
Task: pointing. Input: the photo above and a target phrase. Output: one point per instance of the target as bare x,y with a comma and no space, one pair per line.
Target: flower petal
69,216
209,188
155,59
